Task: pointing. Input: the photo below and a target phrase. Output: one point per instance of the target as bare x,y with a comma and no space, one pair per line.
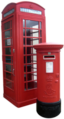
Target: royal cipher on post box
23,25
48,78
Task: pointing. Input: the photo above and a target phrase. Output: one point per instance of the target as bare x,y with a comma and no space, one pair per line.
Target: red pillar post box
48,77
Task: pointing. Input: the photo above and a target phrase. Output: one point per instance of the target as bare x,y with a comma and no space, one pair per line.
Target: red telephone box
48,78
23,25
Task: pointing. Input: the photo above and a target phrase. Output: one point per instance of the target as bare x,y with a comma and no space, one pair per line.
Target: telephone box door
8,56
32,33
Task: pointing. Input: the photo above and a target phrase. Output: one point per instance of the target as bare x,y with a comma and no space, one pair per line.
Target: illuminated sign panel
30,11
8,13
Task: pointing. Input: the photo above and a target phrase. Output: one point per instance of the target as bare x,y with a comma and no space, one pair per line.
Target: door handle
13,72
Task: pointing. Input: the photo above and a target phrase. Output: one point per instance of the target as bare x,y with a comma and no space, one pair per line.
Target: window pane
28,68
23,23
33,33
34,51
29,77
29,41
8,42
40,33
24,59
31,24
31,68
10,24
8,51
35,57
7,25
23,32
24,77
40,40
40,25
25,86
8,76
8,67
35,41
32,85
32,41
24,68
24,50
31,59
9,84
29,50
7,34
23,41
32,76
8,59
28,59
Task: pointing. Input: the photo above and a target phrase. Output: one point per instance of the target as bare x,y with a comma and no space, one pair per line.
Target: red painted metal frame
20,97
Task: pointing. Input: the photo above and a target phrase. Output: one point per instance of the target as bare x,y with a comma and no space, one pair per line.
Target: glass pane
32,76
23,32
35,41
34,51
28,59
23,41
32,85
24,77
8,42
28,68
8,68
23,22
40,33
31,59
8,59
9,84
32,41
8,76
8,51
25,86
40,40
7,34
10,24
35,58
31,68
24,68
24,50
32,33
32,24
29,41
24,59
40,25
29,77
7,25
29,50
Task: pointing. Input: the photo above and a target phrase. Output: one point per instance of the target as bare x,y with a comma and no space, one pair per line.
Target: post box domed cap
19,1
48,46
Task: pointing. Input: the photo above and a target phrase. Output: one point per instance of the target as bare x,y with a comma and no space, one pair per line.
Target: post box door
8,56
48,77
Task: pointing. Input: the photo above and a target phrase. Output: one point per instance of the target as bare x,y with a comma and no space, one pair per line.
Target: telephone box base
20,104
48,110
